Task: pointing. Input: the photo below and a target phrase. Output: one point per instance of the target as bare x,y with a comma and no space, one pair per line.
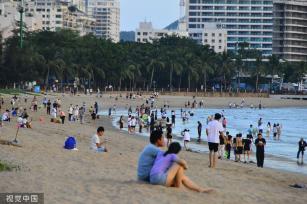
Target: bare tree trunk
151,78
189,80
180,81
47,78
120,83
257,81
171,78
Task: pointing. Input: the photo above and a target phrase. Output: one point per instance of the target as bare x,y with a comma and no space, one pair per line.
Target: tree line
170,63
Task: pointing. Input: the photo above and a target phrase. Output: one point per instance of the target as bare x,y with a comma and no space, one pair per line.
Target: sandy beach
86,177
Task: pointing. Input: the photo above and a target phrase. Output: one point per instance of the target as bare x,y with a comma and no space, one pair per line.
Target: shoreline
283,163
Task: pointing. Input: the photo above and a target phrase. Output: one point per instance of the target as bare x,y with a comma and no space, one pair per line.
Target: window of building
220,34
206,34
220,41
213,41
213,34
220,47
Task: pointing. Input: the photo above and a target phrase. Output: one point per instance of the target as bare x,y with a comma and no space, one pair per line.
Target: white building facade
245,20
107,15
147,34
63,14
10,17
215,36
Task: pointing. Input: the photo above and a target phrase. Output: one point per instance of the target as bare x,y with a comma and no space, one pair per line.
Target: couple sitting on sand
164,168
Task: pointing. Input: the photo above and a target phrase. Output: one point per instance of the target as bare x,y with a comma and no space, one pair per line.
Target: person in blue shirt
149,154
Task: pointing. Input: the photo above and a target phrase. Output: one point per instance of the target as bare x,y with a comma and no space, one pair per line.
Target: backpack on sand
70,143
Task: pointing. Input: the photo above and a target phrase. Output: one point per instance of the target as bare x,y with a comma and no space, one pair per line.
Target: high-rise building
290,29
107,15
245,20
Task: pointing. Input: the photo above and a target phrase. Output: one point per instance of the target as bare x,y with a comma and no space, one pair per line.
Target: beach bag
70,143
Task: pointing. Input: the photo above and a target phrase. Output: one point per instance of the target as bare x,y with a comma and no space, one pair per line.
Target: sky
160,12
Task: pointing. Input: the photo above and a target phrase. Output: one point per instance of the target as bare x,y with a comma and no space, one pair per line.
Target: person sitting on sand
148,155
168,170
97,143
6,116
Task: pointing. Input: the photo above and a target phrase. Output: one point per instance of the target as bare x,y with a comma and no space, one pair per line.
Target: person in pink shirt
168,170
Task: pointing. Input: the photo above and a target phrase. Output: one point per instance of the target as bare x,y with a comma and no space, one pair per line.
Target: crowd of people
156,166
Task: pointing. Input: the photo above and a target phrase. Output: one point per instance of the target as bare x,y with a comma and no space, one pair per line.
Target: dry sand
86,177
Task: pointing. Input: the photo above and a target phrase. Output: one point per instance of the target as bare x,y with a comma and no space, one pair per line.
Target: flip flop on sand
298,186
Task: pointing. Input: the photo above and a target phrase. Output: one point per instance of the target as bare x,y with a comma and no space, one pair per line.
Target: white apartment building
78,21
62,14
245,20
146,33
9,16
215,36
51,12
107,15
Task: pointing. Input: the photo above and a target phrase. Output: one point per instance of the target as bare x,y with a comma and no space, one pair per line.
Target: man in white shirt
213,131
97,143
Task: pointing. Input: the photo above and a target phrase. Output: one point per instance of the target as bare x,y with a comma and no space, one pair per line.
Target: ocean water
293,121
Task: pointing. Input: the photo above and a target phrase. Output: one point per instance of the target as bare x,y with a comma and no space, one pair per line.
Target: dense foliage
169,63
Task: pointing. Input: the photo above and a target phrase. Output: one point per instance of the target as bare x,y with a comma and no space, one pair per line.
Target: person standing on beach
173,118
250,130
121,122
62,116
274,131
260,144
268,130
70,112
278,128
224,123
222,147
81,114
169,136
148,155
247,147
186,139
260,126
199,129
213,132
48,107
96,143
239,147
301,149
228,145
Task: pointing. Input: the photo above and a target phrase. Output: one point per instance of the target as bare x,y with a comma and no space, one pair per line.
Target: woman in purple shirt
168,170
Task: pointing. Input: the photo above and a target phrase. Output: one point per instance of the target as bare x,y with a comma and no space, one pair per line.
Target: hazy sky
160,12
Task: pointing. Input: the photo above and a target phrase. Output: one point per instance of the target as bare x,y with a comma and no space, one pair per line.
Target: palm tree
259,69
226,68
273,67
155,63
191,67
